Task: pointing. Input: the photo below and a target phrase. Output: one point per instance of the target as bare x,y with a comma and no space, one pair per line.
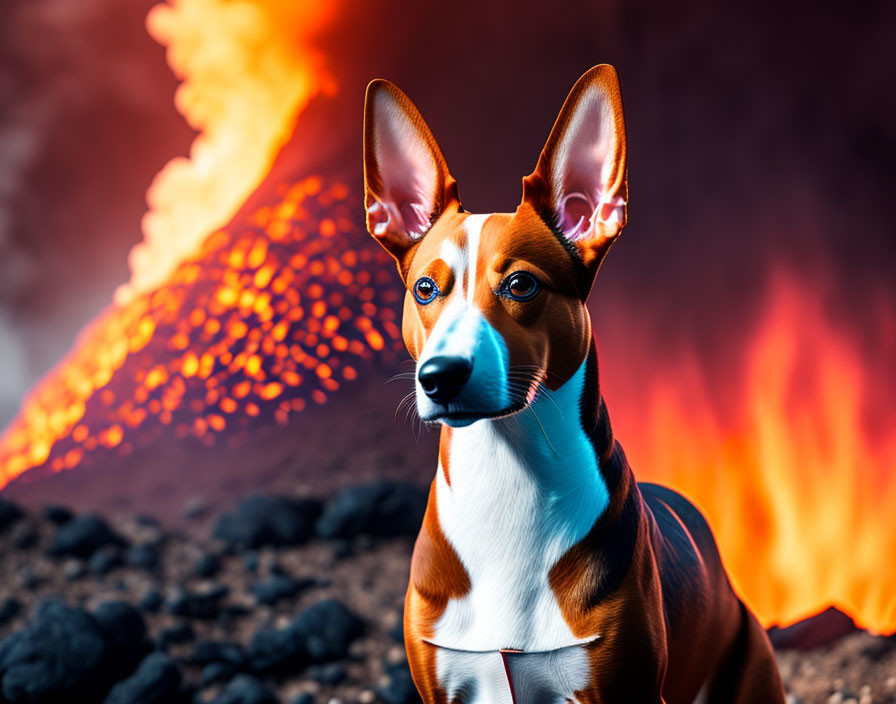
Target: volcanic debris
282,600
263,610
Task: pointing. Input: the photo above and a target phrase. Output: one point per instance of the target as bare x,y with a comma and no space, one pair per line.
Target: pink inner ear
575,212
407,170
582,166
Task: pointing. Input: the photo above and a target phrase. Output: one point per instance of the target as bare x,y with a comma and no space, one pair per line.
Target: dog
543,572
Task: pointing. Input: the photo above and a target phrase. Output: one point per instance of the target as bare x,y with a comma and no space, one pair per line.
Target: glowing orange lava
271,315
799,482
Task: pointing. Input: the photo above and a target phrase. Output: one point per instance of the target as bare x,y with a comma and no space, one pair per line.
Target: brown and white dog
543,572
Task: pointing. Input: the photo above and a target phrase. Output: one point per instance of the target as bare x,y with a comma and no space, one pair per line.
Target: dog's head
495,304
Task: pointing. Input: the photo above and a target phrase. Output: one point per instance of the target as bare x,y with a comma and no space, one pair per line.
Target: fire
248,70
217,335
798,479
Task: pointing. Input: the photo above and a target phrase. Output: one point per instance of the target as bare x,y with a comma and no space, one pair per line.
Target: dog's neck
559,442
514,494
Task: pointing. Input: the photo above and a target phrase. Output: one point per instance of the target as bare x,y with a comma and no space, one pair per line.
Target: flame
798,482
217,335
247,70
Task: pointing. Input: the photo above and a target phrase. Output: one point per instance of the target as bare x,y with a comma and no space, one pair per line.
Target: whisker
546,438
543,390
400,376
407,405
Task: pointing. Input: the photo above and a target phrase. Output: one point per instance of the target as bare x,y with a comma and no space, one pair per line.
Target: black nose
443,377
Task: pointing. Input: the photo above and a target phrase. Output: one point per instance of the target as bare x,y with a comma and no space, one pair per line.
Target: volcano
275,313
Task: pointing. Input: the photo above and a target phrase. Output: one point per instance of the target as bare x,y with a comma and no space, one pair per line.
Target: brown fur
437,575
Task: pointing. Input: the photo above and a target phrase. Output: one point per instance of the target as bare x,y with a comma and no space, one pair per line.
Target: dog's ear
579,185
406,180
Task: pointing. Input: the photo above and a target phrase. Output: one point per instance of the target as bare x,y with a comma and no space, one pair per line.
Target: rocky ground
274,600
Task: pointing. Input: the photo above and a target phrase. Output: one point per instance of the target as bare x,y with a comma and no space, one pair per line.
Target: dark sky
761,137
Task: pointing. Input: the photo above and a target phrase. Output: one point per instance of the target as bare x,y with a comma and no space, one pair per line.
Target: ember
269,317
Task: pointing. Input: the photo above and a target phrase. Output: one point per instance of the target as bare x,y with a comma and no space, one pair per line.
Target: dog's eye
425,290
520,286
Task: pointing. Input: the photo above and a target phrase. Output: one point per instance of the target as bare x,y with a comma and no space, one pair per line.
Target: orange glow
228,326
799,480
185,354
247,71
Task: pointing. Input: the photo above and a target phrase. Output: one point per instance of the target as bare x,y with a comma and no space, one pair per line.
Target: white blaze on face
473,225
462,331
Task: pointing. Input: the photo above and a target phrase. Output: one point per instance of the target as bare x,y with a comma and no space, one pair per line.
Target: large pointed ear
579,185
406,181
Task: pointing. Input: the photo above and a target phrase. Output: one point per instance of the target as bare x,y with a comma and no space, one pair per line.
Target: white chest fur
523,491
514,678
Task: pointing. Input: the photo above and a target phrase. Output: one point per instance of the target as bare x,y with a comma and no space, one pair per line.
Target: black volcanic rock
382,508
826,627
217,672
277,650
120,622
9,513
880,647
151,602
331,673
210,651
105,560
202,603
278,587
268,520
178,633
9,609
57,514
144,520
24,536
250,562
144,556
156,681
399,688
245,689
124,632
321,633
29,578
327,629
84,535
60,651
207,565
342,549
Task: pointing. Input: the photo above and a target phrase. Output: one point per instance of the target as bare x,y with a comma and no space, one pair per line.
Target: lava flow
267,317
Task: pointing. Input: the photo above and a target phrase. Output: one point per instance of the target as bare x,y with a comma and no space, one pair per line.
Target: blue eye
520,286
425,290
